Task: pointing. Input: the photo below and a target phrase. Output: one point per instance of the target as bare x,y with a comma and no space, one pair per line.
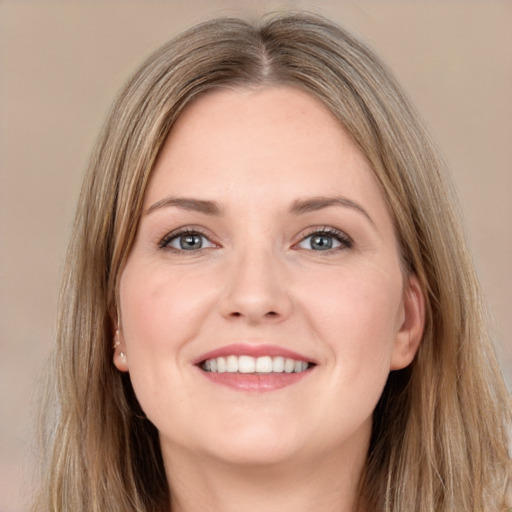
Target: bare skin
264,230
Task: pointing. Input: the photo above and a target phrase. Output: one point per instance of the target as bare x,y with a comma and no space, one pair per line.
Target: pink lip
259,383
253,382
253,350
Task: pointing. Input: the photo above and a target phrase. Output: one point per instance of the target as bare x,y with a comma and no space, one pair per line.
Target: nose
255,289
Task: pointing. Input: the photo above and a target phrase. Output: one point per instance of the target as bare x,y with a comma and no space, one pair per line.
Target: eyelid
181,231
344,239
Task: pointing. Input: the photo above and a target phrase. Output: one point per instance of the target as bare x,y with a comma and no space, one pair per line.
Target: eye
325,240
186,240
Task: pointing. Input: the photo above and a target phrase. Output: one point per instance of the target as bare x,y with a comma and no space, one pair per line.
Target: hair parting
440,430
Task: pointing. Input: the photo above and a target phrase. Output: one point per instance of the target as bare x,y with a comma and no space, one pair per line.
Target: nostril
237,314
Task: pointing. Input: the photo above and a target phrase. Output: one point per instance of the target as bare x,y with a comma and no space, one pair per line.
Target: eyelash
174,235
344,240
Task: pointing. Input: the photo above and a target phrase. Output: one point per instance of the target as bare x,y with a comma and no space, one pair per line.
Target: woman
268,302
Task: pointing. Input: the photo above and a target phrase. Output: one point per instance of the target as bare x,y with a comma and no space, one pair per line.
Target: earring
116,340
123,358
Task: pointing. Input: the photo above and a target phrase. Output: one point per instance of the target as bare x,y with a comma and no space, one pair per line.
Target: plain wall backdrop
61,63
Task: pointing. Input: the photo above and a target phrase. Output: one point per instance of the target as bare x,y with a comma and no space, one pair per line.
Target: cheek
160,308
160,312
358,312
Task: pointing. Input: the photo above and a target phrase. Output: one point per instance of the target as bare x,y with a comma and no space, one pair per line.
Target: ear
120,358
410,332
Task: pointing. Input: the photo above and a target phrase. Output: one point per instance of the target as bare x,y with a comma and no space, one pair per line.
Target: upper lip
253,350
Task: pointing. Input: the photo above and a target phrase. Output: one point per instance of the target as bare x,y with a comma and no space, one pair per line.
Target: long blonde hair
439,439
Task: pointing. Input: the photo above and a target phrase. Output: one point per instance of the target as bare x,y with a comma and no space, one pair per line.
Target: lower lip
261,382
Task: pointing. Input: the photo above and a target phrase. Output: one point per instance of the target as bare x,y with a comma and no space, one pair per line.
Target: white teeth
248,364
231,364
264,364
278,364
289,365
300,366
221,364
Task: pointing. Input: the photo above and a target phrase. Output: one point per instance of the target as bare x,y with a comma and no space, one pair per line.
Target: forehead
234,143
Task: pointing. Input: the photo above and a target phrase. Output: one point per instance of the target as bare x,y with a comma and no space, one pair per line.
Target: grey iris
190,242
321,242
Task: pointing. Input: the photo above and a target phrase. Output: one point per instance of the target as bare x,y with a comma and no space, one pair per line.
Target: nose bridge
256,286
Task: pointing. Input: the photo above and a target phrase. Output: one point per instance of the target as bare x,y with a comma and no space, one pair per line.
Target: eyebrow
298,207
187,203
313,204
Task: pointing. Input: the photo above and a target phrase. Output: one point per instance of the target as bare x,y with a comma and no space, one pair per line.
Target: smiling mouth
254,365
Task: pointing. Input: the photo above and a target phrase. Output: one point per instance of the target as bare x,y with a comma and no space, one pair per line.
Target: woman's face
263,303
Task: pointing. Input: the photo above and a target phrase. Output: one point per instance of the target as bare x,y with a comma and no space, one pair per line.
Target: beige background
61,64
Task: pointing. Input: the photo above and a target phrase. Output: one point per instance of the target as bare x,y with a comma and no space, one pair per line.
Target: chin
257,444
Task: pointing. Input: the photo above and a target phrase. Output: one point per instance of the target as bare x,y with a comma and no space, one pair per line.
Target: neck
329,483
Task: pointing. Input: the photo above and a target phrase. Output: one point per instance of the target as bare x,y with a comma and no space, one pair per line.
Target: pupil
321,242
189,242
